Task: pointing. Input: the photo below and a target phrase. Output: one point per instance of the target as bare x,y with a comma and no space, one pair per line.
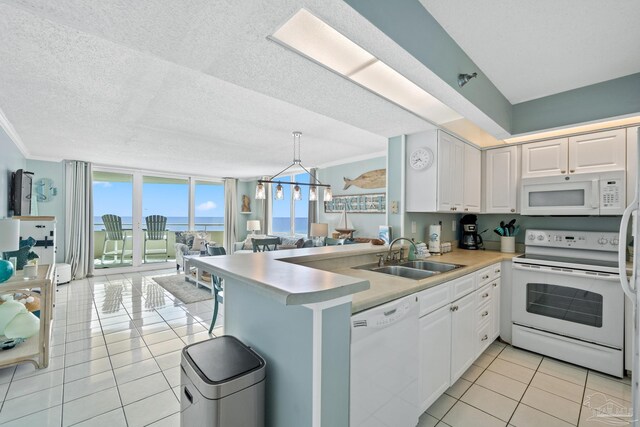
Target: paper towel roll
435,231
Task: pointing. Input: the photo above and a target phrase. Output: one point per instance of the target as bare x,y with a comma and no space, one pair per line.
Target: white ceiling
199,89
531,49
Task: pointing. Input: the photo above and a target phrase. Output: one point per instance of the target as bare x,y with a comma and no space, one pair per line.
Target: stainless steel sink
440,267
409,273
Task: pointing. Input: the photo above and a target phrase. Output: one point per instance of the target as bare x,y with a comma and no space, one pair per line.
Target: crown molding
8,128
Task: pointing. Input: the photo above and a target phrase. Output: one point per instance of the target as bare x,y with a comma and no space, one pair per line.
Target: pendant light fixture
297,192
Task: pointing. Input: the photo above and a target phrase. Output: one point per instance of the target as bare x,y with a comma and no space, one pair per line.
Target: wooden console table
36,348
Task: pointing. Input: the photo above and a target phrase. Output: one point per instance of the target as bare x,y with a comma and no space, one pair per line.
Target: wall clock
421,158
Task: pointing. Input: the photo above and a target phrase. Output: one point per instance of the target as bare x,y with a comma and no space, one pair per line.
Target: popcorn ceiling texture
162,86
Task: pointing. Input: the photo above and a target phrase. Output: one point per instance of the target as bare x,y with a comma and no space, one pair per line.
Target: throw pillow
248,244
308,243
300,243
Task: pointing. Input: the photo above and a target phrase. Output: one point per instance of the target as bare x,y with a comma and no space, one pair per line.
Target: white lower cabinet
463,331
458,321
435,355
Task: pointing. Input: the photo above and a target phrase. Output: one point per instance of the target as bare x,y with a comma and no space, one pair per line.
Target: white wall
11,159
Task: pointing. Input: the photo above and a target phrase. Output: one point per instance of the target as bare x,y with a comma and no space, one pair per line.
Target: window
168,197
291,217
209,206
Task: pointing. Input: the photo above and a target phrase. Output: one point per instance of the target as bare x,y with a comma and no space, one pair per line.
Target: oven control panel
591,240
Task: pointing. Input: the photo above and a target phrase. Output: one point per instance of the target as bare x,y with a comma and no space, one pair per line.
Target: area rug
185,291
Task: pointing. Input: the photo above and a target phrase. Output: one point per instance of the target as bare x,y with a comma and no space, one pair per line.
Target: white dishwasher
384,366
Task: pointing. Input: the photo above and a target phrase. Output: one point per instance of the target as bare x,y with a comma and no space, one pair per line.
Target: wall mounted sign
368,180
357,203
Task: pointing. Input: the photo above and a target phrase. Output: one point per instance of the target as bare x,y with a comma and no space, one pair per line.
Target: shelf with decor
36,348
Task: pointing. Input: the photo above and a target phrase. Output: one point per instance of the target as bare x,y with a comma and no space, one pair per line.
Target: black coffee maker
470,237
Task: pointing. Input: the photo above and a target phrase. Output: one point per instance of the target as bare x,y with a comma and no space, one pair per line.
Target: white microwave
579,194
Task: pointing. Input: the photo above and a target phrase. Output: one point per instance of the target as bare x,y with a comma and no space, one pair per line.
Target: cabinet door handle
485,277
485,314
513,210
495,285
466,209
454,308
485,295
485,337
572,171
497,270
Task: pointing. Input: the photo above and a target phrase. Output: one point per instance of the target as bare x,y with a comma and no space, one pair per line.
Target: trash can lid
222,359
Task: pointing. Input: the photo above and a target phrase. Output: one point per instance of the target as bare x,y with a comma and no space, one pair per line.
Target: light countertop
311,275
385,288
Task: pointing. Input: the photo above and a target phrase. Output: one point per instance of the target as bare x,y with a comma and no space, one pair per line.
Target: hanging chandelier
297,192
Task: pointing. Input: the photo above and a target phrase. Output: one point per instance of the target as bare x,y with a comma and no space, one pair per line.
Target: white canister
30,271
508,244
435,231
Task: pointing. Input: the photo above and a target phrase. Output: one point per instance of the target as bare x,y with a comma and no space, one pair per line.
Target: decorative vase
6,270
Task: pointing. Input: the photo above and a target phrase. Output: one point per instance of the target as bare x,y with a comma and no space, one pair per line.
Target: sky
171,200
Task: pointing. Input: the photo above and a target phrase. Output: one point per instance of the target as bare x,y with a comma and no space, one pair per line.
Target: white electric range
567,301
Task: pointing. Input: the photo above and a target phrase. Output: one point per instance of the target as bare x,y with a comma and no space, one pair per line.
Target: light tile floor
115,361
508,386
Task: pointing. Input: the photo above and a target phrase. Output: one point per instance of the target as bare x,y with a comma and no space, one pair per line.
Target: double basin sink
416,270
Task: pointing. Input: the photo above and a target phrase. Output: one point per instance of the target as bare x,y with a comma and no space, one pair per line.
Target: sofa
286,242
190,243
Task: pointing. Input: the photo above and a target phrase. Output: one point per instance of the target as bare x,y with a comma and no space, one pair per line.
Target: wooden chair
156,230
216,285
114,233
268,244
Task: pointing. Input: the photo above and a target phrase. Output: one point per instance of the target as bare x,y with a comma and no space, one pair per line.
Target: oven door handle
622,251
566,272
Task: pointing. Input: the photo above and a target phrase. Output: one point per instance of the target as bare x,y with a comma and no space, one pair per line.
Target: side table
36,348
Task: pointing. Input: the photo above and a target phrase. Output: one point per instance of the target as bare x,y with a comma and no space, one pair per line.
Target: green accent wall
11,159
409,24
366,224
56,207
336,360
612,98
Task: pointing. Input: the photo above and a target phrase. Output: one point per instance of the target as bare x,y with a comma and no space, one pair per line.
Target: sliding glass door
138,216
112,220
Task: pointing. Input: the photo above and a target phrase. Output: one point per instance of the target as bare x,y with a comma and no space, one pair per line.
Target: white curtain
230,213
78,240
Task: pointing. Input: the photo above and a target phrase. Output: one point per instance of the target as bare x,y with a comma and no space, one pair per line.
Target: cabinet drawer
483,315
484,338
483,295
484,276
462,286
433,298
496,270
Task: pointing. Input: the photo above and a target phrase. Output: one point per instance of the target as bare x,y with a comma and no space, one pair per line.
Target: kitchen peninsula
294,308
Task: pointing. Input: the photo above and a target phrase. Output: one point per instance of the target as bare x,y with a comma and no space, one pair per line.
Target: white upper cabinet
597,152
546,158
437,172
501,180
593,152
632,162
472,186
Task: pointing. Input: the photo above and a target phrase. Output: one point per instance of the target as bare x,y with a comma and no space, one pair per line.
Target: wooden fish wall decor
372,179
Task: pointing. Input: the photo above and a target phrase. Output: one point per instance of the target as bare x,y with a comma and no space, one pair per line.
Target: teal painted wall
395,178
11,159
282,336
612,98
247,188
56,207
409,24
336,334
491,221
366,224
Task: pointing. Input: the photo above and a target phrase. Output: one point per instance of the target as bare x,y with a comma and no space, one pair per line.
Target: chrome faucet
394,241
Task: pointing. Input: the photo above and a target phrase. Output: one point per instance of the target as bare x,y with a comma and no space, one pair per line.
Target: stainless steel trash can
222,384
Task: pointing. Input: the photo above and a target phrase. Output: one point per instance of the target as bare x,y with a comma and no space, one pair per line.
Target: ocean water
181,223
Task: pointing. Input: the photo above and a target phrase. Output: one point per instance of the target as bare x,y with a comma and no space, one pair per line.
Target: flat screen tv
21,185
